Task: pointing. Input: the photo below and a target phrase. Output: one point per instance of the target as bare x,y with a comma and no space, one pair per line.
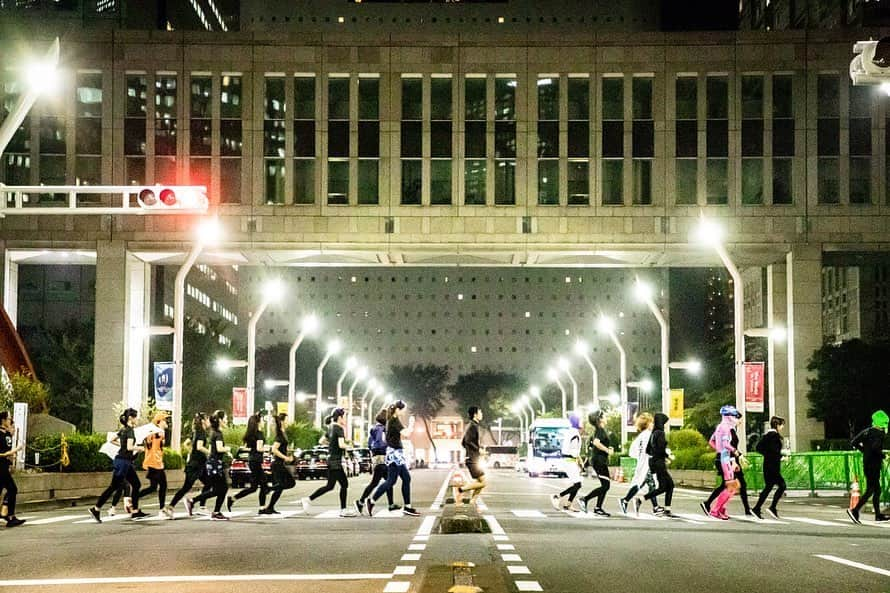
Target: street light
535,392
711,234
693,367
153,330
333,348
39,78
607,325
361,375
270,384
554,378
582,348
527,403
307,327
378,391
566,368
774,335
351,363
644,385
369,386
519,410
207,232
272,292
224,364
645,294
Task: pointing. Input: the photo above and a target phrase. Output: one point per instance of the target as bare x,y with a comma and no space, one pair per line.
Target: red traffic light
168,197
147,198
160,197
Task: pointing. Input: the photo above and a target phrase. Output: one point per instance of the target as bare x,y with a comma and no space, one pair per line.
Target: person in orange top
154,464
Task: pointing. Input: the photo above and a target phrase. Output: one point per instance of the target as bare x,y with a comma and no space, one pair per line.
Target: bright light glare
310,323
643,291
646,385
885,87
552,375
606,324
362,373
42,77
523,398
334,346
389,397
708,232
695,367
351,363
379,389
614,398
778,334
535,390
273,290
269,384
209,231
563,363
301,396
581,348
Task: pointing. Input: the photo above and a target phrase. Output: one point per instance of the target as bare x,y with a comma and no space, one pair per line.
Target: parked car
312,464
364,460
239,472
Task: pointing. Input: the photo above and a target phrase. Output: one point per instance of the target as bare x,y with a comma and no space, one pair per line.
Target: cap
730,411
880,419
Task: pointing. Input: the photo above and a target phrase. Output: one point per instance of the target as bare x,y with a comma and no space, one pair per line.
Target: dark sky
693,15
688,294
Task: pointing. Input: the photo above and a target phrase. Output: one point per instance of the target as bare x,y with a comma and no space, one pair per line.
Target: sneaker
395,507
96,514
667,514
582,504
854,516
202,510
638,502
774,513
348,513
264,512
229,502
658,511
410,511
718,515
112,511
218,517
189,505
359,506
556,502
704,508
137,514
168,511
600,512
128,505
757,513
878,518
370,504
306,504
14,522
622,504
724,516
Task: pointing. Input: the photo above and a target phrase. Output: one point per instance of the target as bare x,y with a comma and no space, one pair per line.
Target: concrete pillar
804,286
777,315
110,342
9,281
138,287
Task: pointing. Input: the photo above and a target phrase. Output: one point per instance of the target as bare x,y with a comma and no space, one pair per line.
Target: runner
870,441
770,446
195,467
253,439
659,454
337,446
7,454
721,441
377,445
739,476
474,451
282,478
599,459
396,464
153,463
571,454
123,466
642,476
215,471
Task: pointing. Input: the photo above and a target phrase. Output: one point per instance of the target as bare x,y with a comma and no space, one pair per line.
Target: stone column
804,287
777,316
110,343
9,281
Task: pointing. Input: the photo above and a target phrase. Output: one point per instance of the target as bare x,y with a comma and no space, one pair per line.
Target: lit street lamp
554,378
309,326
583,350
378,391
566,368
351,363
693,367
272,291
40,78
645,294
333,348
519,410
527,403
607,325
535,392
224,364
369,386
361,375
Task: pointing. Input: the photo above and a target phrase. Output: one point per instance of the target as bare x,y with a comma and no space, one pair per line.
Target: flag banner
163,385
754,387
239,405
676,411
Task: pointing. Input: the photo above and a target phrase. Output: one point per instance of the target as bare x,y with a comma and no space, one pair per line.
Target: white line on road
153,579
496,528
518,570
816,521
426,527
506,547
528,513
409,558
528,586
858,565
54,519
405,570
416,547
440,497
397,587
511,557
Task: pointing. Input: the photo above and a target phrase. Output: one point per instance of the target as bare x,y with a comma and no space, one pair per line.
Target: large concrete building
558,134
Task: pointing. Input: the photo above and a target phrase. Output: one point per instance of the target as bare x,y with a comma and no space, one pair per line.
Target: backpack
377,438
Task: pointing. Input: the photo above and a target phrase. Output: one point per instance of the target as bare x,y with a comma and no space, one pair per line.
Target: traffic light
162,197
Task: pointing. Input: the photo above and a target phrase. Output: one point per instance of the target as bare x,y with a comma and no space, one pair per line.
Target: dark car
364,460
239,472
312,464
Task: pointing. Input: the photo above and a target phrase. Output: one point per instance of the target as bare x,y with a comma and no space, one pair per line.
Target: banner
676,411
20,417
239,405
282,409
753,386
633,409
163,385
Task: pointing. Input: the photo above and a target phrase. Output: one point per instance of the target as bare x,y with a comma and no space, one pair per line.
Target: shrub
302,435
83,453
706,461
687,438
233,436
22,387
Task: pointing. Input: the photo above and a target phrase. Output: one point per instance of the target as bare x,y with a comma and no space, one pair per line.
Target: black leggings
394,471
872,489
258,481
378,476
771,478
157,479
8,484
743,488
334,476
602,472
635,489
218,488
192,475
571,491
282,479
117,480
665,482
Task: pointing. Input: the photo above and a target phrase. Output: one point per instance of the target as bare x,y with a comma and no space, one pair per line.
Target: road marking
426,526
495,527
528,586
529,514
763,521
405,570
409,558
421,538
55,519
440,497
332,514
501,537
152,579
697,518
816,521
416,547
858,565
397,587
511,558
230,515
518,569
506,547
107,519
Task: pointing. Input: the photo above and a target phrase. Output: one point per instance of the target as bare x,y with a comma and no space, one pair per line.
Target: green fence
818,470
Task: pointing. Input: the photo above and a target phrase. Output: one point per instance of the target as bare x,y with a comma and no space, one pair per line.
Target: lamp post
272,291
527,403
351,363
582,349
333,348
566,368
645,294
554,377
607,325
519,410
361,375
372,382
208,232
500,430
378,391
309,326
535,392
40,76
711,234
773,335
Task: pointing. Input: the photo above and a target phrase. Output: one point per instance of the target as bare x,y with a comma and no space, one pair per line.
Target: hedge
83,453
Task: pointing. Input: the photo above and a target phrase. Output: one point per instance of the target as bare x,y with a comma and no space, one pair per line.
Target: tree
850,382
705,415
22,387
423,387
493,392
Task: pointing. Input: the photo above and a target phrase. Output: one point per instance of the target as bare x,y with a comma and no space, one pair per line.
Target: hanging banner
676,410
20,418
239,405
633,408
754,386
163,372
281,408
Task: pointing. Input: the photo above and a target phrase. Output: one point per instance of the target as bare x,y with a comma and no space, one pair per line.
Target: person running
195,467
123,466
474,452
377,445
870,441
599,460
571,453
153,464
396,464
659,454
215,471
641,475
282,478
721,442
7,454
739,476
770,446
253,440
337,446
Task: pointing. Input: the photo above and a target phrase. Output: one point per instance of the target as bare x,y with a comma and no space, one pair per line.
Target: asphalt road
813,548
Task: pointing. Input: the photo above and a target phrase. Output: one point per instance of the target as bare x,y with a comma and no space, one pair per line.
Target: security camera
871,64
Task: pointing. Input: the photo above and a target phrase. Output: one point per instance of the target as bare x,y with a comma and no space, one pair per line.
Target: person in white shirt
642,478
571,453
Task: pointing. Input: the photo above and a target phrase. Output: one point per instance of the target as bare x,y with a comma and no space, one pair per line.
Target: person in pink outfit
721,441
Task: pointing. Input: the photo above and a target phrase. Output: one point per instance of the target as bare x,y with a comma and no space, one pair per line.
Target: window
643,134
717,134
613,141
860,144
686,164
166,90
200,129
274,127
304,139
752,139
475,141
548,140
505,140
440,140
412,140
135,128
368,139
578,141
88,129
783,138
828,138
338,140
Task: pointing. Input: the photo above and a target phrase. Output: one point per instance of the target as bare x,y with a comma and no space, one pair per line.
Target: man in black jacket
871,442
474,451
770,446
658,459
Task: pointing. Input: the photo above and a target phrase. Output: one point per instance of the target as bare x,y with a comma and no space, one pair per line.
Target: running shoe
96,514
622,504
757,513
14,522
718,515
111,511
854,516
265,512
360,506
410,511
395,507
306,504
229,502
658,510
168,511
638,502
704,508
667,514
189,505
878,518
218,517
582,504
774,513
556,502
370,504
600,512
348,513
138,515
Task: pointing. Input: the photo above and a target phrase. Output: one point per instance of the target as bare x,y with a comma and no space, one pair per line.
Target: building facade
856,302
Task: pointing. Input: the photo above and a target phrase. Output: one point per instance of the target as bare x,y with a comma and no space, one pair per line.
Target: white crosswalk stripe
820,522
